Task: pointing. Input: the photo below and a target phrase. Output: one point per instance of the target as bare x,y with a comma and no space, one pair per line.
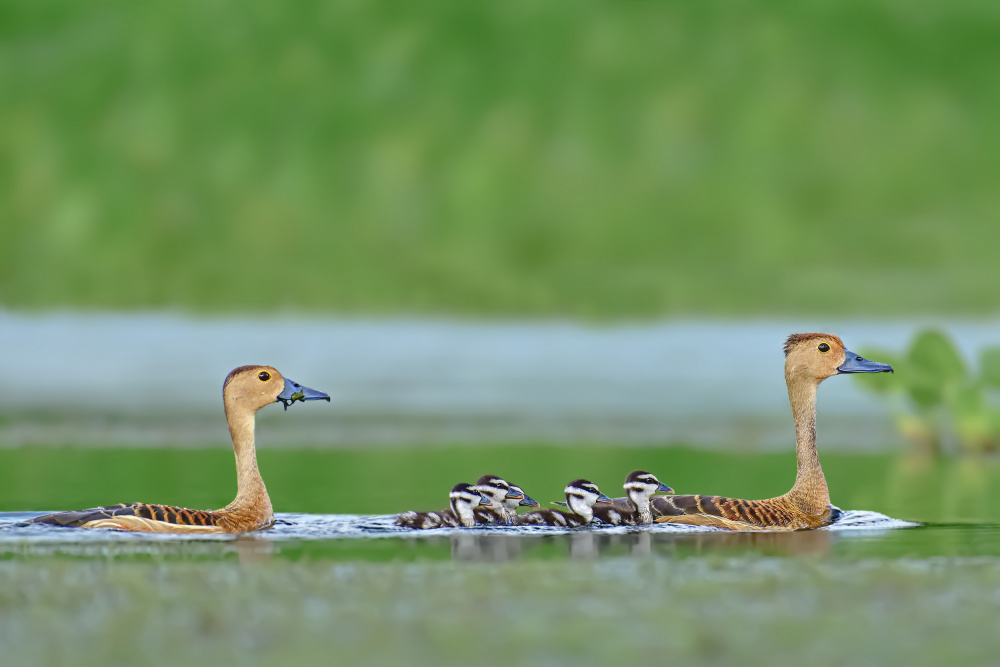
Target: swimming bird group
809,359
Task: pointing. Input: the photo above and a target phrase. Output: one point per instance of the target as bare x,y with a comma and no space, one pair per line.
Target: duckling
810,358
464,499
498,491
581,496
634,510
246,390
505,497
513,502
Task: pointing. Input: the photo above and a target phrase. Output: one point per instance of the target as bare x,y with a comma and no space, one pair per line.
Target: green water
386,480
956,501
915,596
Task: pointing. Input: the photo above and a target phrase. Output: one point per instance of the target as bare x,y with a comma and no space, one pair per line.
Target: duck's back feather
776,512
165,513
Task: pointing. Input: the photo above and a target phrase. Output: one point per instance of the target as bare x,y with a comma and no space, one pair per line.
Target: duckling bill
505,499
246,390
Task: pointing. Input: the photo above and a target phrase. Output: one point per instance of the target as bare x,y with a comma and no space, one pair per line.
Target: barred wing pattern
759,513
166,513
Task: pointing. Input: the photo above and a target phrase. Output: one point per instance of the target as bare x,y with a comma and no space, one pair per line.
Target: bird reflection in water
250,550
496,547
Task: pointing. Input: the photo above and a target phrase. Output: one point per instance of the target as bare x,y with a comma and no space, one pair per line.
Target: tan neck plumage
810,492
251,494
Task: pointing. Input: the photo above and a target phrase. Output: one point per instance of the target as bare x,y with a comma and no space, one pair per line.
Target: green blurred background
592,160
596,162
294,182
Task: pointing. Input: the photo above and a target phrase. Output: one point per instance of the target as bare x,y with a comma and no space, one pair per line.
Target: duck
514,502
463,498
506,498
810,358
634,509
246,390
581,496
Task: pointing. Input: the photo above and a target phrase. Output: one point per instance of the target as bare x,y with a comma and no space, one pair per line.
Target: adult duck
246,390
810,358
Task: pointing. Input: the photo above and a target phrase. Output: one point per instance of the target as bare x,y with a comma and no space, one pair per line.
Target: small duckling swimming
634,510
464,500
505,498
581,496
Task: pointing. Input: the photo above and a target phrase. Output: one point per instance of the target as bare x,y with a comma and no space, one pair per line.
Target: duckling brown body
809,359
464,500
245,391
581,497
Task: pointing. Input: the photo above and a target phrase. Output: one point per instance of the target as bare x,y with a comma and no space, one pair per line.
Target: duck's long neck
251,494
810,491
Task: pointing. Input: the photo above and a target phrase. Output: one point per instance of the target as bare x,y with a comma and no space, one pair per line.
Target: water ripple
290,526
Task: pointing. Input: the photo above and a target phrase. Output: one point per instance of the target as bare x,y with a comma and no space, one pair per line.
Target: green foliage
989,361
594,159
945,401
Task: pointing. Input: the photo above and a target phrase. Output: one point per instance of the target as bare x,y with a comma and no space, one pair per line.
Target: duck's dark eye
823,347
264,376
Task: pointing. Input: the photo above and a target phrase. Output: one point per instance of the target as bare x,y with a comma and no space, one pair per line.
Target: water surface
155,379
338,504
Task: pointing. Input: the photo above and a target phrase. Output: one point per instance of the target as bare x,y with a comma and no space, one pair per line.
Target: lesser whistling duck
463,498
634,509
506,498
809,359
581,496
246,390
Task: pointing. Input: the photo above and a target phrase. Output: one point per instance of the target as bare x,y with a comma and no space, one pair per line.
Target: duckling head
640,483
496,489
817,356
257,386
582,495
465,498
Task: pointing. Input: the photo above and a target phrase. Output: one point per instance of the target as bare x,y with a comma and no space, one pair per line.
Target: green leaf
989,361
934,357
969,400
925,395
